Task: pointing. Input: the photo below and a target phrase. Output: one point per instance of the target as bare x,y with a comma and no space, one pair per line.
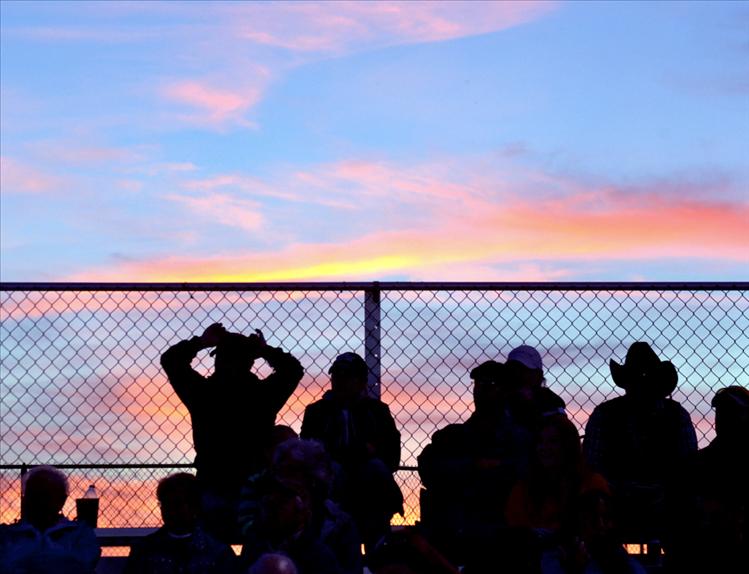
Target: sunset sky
364,141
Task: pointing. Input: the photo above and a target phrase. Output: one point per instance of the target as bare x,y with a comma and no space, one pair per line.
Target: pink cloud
449,220
73,153
212,106
346,26
223,209
20,178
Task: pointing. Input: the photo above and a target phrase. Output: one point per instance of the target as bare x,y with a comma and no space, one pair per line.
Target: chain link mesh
81,384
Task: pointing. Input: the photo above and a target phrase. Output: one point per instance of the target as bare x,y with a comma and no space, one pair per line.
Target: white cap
526,356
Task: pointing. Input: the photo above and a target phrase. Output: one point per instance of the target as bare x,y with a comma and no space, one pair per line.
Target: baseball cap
526,356
351,363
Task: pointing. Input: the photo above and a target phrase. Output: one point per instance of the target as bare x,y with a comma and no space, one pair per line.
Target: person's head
643,375
273,564
492,390
348,377
525,365
45,490
731,406
285,508
304,461
279,434
235,353
179,499
557,446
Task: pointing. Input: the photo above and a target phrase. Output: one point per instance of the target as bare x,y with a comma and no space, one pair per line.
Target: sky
374,141
444,141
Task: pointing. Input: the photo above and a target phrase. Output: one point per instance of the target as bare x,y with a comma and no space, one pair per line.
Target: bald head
273,564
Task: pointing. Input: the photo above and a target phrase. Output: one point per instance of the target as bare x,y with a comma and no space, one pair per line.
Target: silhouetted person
593,546
180,545
233,412
44,541
545,498
535,399
286,523
711,520
360,435
303,462
469,468
638,440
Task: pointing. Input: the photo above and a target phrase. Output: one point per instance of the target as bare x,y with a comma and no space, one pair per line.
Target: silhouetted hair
55,474
179,482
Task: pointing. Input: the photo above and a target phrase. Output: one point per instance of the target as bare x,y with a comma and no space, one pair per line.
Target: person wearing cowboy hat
637,440
710,522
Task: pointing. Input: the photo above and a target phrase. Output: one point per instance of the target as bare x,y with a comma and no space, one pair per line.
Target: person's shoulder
612,405
151,541
675,406
373,404
15,531
206,541
71,527
450,433
320,405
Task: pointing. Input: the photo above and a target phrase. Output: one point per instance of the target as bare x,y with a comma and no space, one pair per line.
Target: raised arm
287,372
177,362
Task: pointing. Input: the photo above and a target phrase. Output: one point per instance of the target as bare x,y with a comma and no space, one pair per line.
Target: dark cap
733,396
489,371
350,364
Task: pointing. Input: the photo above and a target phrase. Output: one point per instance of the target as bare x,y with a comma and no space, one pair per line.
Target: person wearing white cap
527,367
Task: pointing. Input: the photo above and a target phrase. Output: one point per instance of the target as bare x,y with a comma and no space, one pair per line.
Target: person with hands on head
232,410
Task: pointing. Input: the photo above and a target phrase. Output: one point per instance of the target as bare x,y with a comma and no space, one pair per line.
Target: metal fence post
372,338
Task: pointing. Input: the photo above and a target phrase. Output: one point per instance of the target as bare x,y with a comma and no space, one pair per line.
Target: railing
81,386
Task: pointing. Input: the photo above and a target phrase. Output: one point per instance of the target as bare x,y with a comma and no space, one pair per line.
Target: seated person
285,524
592,545
469,468
181,545
710,522
360,435
637,441
545,498
305,462
44,541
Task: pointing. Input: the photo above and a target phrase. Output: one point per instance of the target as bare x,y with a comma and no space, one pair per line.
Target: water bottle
88,507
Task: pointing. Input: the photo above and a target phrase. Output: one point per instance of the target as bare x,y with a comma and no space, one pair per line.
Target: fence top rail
387,286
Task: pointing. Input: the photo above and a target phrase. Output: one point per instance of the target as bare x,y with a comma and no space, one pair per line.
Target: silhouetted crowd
512,489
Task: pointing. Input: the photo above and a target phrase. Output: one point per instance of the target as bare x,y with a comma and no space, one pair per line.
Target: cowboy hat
643,367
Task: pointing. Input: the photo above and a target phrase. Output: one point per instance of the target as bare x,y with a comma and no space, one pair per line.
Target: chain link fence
81,385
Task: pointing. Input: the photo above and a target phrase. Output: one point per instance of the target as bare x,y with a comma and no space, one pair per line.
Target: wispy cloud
68,151
212,106
345,26
465,229
222,209
17,177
